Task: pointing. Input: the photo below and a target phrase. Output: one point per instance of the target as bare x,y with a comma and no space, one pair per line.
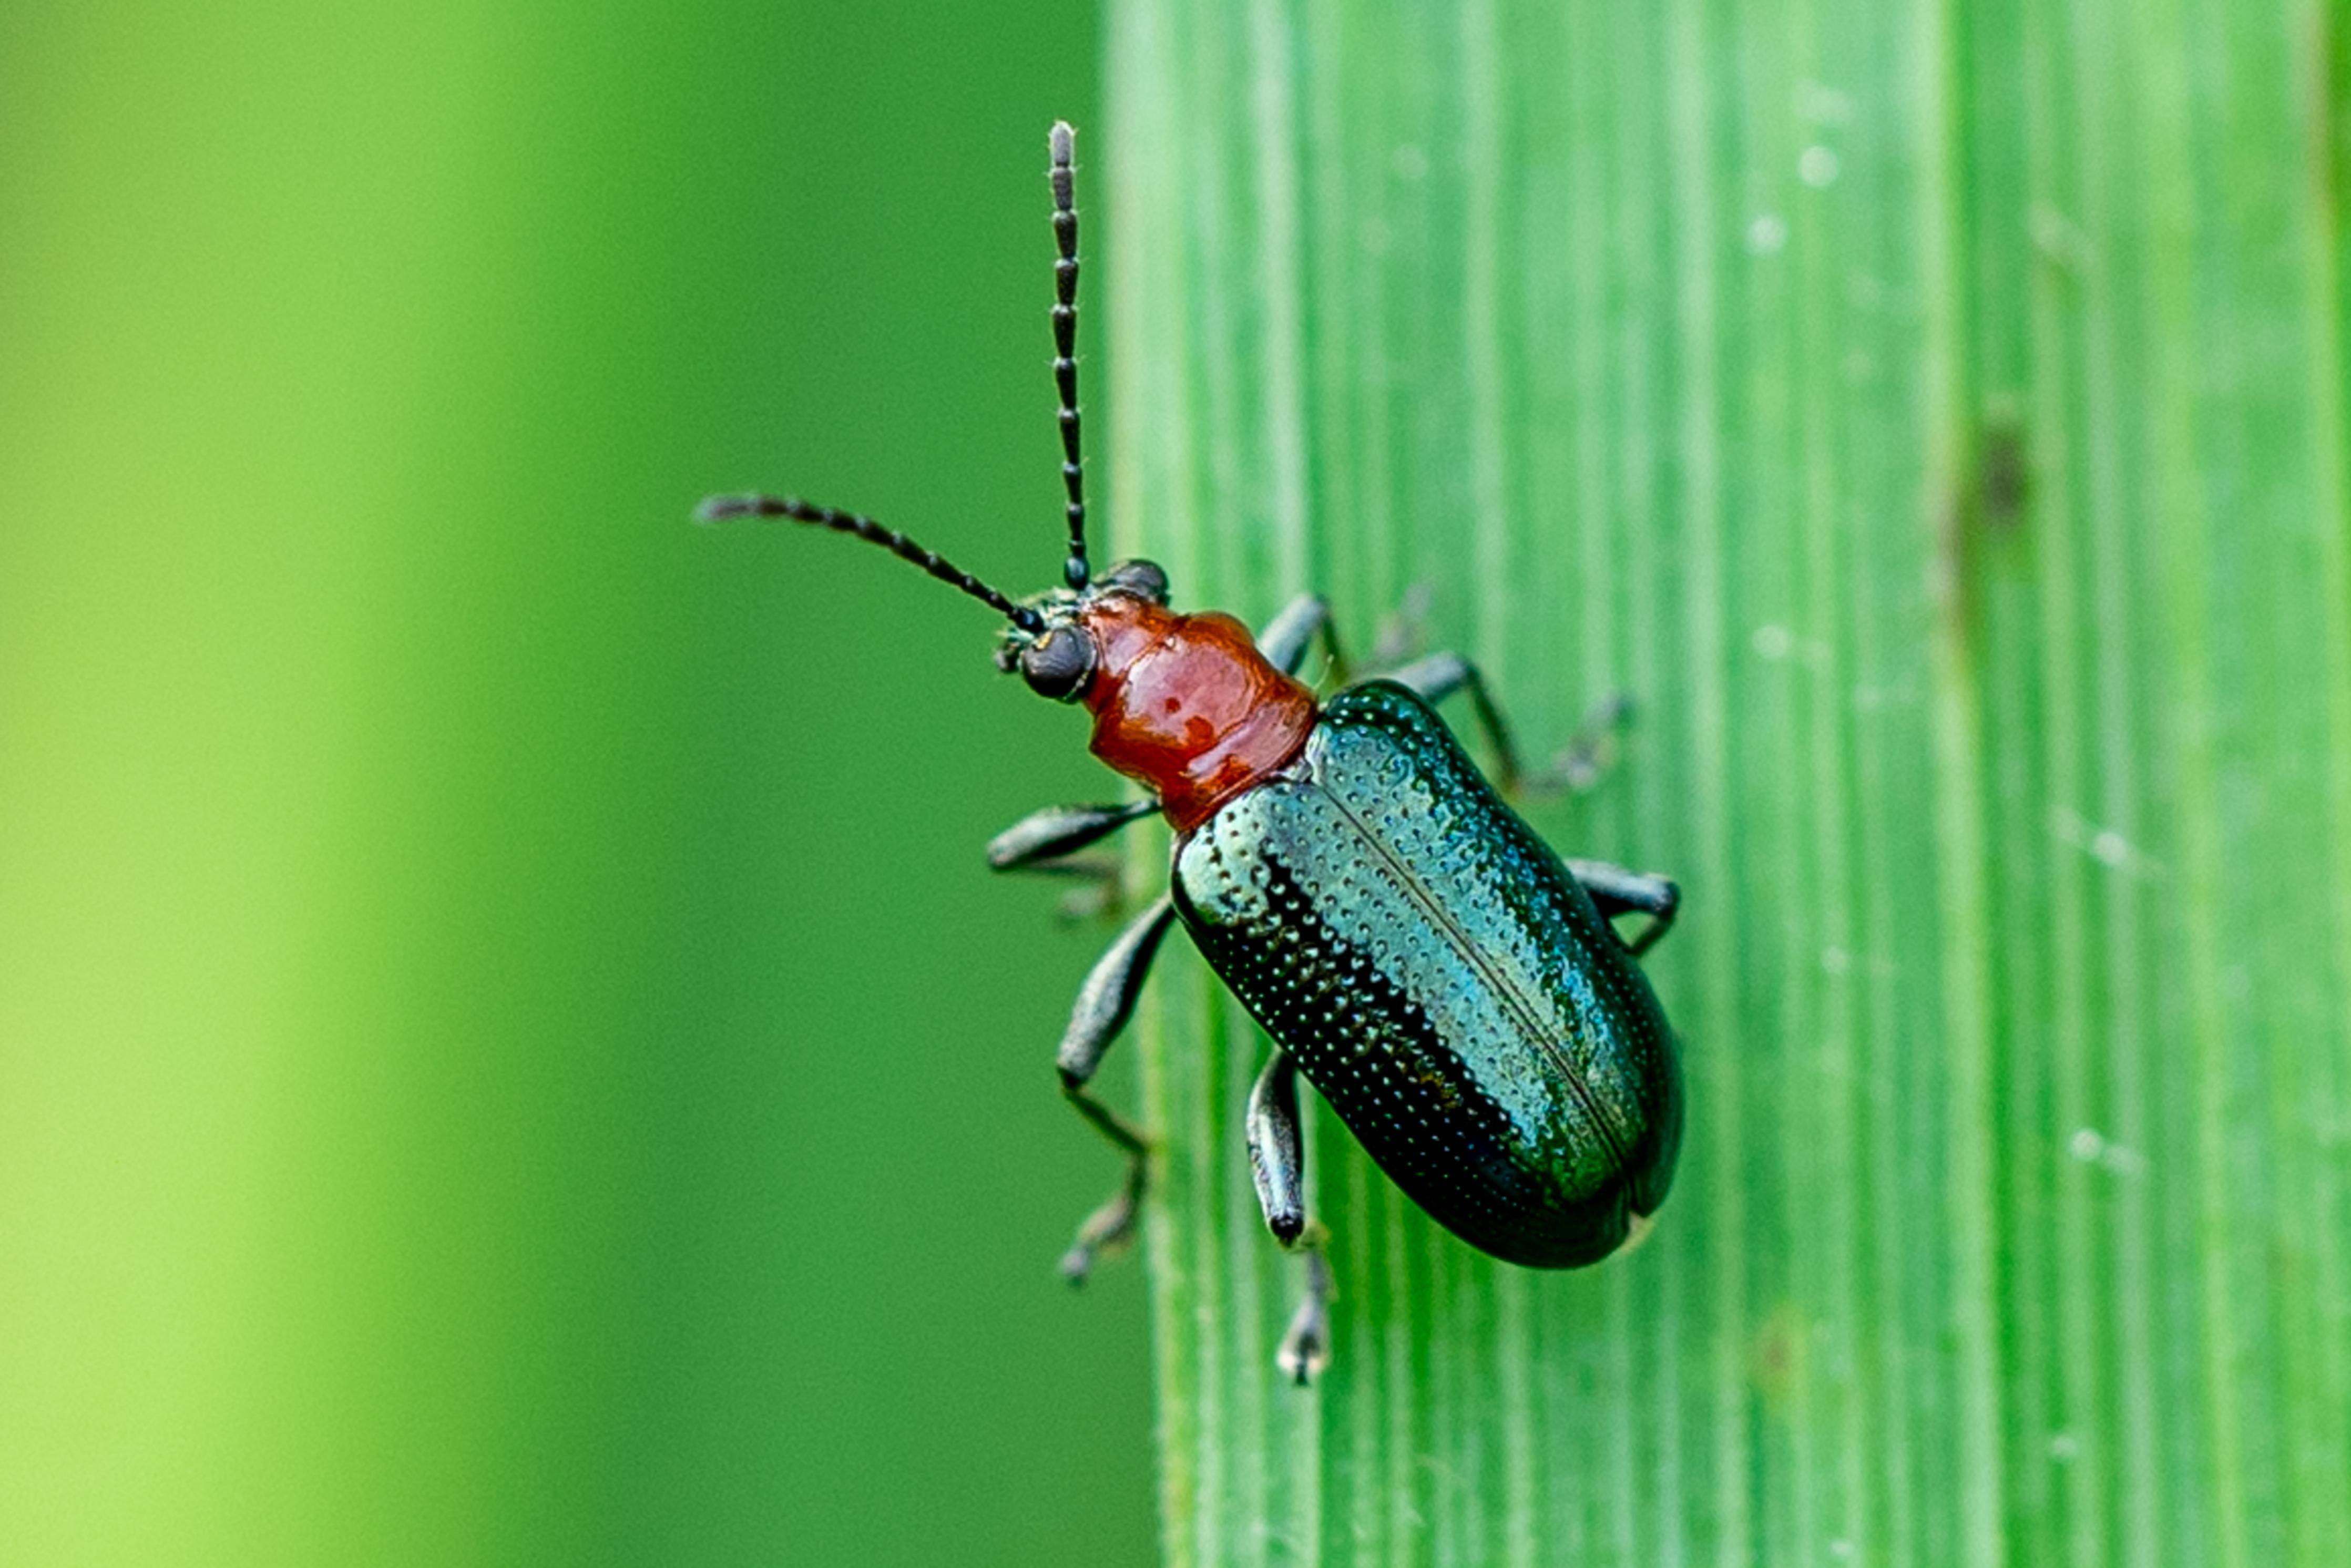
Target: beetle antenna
721,508
1063,144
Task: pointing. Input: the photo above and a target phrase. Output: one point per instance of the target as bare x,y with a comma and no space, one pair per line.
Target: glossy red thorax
1186,706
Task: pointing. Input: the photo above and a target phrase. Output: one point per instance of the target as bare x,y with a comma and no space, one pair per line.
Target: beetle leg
1105,1003
1046,842
1112,1226
1592,749
1406,631
1437,676
1047,835
1306,1343
1277,1165
1287,636
1277,1155
1620,891
1107,999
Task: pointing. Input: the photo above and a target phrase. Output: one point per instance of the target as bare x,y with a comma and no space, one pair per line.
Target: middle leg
1277,1165
1105,1004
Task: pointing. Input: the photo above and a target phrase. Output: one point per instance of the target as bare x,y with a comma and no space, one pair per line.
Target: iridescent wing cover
1444,981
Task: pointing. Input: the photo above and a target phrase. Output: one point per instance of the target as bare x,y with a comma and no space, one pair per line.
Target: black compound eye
1141,578
1056,664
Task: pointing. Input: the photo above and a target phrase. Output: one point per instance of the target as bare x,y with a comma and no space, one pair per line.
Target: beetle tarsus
1615,891
1406,630
1105,1003
1104,1233
1278,1165
1305,1349
1580,765
1109,1228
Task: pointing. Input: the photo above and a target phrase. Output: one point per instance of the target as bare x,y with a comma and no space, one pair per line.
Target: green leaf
1933,417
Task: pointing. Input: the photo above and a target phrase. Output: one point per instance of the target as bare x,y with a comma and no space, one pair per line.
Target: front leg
1277,1165
1047,842
1105,1004
1042,837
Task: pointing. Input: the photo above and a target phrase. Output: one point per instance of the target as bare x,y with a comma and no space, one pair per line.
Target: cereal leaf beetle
1458,993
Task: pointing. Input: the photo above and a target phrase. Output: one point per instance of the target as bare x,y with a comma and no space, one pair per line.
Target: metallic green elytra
1445,981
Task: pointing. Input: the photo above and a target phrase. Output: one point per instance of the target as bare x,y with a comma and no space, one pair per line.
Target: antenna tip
721,508
1063,142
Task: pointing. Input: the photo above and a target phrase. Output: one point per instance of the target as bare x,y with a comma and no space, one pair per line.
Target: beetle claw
1078,1263
1406,631
1306,1346
1579,766
1104,1233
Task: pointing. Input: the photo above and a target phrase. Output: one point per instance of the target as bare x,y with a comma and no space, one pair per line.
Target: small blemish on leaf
1776,1353
2003,478
1986,504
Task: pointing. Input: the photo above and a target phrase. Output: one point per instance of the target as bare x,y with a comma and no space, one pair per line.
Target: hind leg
1277,1165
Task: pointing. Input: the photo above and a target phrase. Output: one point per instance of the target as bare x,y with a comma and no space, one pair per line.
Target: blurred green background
508,1050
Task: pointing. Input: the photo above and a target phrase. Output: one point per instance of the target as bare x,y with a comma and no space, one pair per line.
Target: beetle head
1058,656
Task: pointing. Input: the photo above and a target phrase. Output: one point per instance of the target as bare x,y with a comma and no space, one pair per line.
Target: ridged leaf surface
1932,418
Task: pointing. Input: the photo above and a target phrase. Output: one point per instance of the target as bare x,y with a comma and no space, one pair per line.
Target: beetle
1458,992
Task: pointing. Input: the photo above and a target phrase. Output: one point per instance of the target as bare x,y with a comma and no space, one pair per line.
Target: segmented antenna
1063,142
721,508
